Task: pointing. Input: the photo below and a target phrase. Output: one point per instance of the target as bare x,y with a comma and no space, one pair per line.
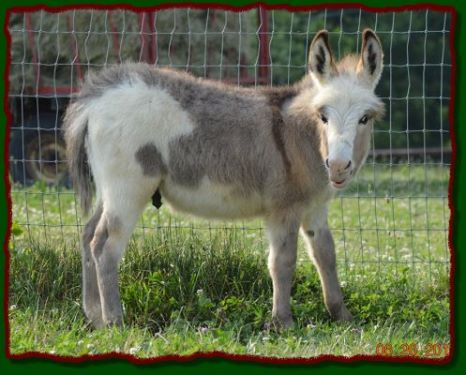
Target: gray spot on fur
150,160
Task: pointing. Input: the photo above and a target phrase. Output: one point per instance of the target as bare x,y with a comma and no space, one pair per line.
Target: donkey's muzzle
337,164
339,171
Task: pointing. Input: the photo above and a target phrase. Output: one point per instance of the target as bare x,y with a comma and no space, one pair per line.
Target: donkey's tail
75,124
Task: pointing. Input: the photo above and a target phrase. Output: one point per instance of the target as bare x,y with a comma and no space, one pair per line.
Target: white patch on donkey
220,151
210,200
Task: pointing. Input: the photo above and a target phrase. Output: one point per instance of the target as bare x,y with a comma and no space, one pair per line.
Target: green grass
190,286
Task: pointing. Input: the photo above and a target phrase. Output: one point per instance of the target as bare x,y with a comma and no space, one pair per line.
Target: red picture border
217,354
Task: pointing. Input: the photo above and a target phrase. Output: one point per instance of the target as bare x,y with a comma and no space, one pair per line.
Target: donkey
224,152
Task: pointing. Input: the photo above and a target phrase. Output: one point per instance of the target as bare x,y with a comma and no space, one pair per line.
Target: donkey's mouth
339,184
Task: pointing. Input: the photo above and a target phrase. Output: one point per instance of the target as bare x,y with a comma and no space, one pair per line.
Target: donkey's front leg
321,249
283,237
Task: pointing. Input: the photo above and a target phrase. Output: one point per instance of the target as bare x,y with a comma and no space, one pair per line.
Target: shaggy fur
220,151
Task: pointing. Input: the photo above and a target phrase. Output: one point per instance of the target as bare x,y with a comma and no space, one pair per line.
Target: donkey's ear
371,61
320,60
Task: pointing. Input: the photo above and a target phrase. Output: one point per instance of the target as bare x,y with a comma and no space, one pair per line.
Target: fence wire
394,214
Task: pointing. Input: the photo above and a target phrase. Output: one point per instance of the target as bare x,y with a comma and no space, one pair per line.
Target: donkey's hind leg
123,203
91,297
321,249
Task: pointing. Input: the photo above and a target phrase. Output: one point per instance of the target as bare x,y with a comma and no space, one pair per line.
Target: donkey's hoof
95,319
96,324
343,315
116,321
279,323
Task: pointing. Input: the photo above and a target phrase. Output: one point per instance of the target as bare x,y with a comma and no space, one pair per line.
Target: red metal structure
36,147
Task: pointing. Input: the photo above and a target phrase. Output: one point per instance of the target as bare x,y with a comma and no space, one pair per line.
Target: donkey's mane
348,64
182,82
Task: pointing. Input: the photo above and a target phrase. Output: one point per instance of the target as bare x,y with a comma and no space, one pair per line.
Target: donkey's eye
323,118
363,120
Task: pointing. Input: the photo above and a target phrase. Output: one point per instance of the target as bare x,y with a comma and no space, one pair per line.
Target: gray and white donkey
220,151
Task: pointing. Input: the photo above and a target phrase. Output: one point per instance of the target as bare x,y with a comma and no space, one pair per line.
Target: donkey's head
345,103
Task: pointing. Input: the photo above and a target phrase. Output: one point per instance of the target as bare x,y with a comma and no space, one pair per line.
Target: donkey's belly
211,200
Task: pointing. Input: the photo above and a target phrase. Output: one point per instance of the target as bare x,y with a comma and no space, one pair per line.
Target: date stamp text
413,349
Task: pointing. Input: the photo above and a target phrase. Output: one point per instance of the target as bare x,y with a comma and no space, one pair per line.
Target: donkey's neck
302,121
301,134
304,127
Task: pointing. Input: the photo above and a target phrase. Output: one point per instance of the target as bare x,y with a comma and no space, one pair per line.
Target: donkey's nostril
348,165
326,163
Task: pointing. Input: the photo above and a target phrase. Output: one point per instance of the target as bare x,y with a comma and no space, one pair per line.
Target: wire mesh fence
395,214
